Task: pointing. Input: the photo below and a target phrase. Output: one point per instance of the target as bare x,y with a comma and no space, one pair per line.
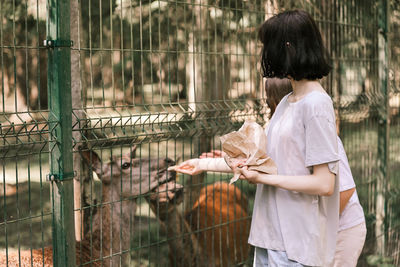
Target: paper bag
248,146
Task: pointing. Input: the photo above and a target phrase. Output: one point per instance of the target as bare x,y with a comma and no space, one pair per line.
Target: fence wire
155,82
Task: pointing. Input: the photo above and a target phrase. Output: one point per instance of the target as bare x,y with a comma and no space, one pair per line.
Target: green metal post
60,117
383,128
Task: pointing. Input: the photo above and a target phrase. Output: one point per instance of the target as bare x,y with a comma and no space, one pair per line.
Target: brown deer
7,189
213,233
108,242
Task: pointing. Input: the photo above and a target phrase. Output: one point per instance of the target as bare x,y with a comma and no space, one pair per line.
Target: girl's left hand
250,176
191,167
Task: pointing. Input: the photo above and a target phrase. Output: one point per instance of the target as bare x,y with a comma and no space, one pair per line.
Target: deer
7,189
213,232
123,179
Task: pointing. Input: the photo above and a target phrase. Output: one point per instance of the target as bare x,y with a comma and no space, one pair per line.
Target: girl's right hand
190,167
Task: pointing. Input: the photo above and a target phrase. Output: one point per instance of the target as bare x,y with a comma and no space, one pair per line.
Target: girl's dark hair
275,90
292,47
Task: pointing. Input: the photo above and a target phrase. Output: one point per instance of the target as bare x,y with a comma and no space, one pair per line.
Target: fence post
383,128
60,124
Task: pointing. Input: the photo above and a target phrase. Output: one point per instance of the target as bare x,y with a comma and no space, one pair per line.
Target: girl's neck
303,87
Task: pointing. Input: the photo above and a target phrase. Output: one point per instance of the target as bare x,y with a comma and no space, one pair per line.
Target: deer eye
126,165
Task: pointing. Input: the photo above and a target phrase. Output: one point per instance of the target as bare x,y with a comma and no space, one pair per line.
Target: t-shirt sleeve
321,139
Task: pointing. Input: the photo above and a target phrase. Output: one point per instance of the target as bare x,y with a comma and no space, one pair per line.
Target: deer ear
92,159
133,151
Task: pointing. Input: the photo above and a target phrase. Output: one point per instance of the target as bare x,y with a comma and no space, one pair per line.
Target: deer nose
169,161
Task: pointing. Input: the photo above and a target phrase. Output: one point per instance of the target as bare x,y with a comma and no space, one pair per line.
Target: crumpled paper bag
248,145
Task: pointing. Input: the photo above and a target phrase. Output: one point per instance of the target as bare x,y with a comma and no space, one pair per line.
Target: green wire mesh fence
156,82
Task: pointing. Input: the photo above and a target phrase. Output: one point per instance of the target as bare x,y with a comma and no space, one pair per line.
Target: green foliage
96,18
26,217
377,260
23,69
13,10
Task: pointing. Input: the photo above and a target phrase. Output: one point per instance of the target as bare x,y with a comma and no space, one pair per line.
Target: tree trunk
208,72
78,104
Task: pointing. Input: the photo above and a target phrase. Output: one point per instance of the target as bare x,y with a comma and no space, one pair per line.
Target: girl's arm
321,182
196,166
345,197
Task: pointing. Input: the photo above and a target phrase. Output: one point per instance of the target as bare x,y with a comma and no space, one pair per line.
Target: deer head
131,176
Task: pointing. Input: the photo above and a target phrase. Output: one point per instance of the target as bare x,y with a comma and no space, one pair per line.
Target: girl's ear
92,159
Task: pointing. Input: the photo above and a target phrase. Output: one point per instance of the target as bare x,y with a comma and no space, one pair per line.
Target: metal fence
99,97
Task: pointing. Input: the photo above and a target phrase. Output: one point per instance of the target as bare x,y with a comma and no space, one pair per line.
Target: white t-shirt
353,213
300,135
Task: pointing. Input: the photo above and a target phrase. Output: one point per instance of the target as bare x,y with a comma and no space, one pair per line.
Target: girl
295,215
352,229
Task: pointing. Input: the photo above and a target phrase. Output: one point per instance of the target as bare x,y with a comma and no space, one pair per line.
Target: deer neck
184,251
113,222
